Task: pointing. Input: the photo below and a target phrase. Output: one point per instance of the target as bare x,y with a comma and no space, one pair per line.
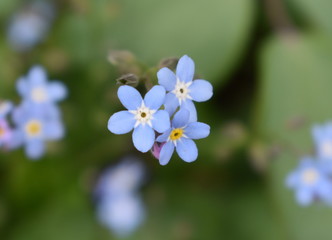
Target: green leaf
295,82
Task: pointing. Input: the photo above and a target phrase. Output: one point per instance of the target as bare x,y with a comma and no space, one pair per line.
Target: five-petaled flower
182,90
180,136
34,128
311,180
35,88
143,116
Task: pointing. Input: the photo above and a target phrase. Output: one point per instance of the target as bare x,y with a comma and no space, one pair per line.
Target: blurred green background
270,64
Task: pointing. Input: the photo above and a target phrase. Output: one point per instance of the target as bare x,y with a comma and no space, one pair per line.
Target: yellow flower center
176,134
2,131
310,176
33,128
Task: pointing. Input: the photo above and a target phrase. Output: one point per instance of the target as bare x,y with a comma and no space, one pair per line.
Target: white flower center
310,176
182,90
39,94
33,128
327,148
143,115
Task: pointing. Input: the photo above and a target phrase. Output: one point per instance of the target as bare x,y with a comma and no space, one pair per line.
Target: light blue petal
57,91
37,76
161,121
166,153
324,190
35,149
143,138
201,90
292,180
166,78
304,196
190,106
22,87
171,103
185,69
121,122
155,97
181,118
197,130
187,150
163,137
53,130
129,97
16,139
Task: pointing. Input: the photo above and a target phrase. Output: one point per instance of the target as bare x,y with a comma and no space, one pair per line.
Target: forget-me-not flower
323,140
34,128
143,116
180,136
182,90
5,130
35,88
311,180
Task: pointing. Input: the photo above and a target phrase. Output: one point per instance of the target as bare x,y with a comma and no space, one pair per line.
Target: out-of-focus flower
5,130
29,26
126,177
119,205
182,90
33,128
143,116
121,215
311,180
323,140
5,108
180,136
35,88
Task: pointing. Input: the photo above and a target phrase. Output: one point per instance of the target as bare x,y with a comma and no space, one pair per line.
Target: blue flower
121,215
5,130
182,90
311,180
5,108
142,116
34,128
180,136
35,88
323,140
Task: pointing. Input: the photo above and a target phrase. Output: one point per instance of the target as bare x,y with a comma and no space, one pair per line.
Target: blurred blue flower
5,108
119,205
29,26
142,116
311,180
35,88
323,140
182,90
121,215
180,136
5,130
33,128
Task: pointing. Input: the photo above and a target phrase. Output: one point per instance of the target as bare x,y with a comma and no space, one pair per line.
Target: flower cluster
312,180
119,205
37,118
167,110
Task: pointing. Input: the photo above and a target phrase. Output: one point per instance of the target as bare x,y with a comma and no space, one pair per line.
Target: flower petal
166,153
129,97
190,106
121,122
181,118
187,150
16,139
324,190
304,196
161,121
201,90
22,87
54,130
155,97
185,69
166,78
57,91
171,103
163,137
143,138
35,149
197,130
37,76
